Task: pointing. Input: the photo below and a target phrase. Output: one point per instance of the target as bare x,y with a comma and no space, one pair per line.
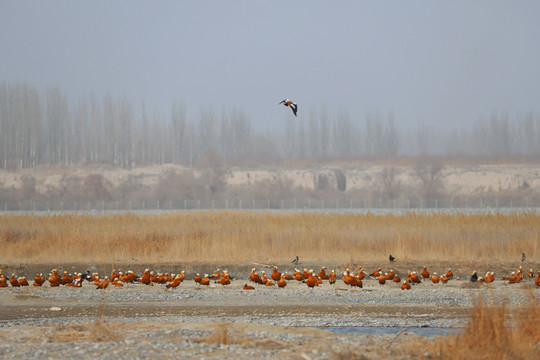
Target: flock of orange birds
118,279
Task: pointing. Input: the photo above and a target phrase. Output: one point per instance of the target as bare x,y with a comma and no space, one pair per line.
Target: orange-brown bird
361,274
13,281
376,272
405,286
519,277
66,279
537,281
197,278
254,277
22,281
264,278
282,283
225,279
298,275
397,279
381,278
346,278
311,281
288,276
145,277
435,278
293,106
103,284
513,278
322,274
355,281
174,284
54,278
216,275
3,280
257,279
160,279
332,277
77,280
39,279
129,277
276,275
414,278
247,287
205,280
425,273
449,274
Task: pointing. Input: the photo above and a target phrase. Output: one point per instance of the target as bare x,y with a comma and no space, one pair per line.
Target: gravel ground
137,321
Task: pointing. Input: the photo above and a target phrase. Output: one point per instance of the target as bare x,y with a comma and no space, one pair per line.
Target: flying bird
292,105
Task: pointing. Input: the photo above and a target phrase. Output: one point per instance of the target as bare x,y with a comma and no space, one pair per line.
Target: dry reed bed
494,332
247,236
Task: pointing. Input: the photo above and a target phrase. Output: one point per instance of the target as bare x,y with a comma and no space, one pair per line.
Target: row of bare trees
46,127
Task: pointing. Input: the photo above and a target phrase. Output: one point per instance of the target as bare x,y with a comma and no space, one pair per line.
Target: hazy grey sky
443,63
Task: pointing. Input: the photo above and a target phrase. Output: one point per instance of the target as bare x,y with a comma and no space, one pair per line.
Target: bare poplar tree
429,172
391,136
422,139
343,133
313,133
289,142
390,184
324,130
178,122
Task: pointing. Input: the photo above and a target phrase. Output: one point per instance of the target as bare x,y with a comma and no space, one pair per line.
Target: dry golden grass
495,332
95,332
246,236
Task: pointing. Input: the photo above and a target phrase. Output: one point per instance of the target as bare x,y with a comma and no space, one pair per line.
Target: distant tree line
46,127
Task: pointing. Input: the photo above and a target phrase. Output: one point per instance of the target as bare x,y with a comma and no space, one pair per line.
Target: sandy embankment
458,180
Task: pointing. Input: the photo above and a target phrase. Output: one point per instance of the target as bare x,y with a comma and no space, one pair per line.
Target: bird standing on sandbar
289,103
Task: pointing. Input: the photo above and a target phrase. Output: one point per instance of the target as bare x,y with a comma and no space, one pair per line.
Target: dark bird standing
295,261
292,105
522,257
391,258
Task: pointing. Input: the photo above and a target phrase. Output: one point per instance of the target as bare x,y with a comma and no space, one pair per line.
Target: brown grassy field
247,236
495,332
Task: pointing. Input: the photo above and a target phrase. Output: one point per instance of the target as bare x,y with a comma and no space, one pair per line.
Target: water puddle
389,330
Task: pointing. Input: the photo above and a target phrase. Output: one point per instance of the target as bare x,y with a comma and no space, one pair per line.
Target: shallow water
389,330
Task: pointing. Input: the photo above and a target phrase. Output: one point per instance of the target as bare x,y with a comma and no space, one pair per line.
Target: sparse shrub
97,187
